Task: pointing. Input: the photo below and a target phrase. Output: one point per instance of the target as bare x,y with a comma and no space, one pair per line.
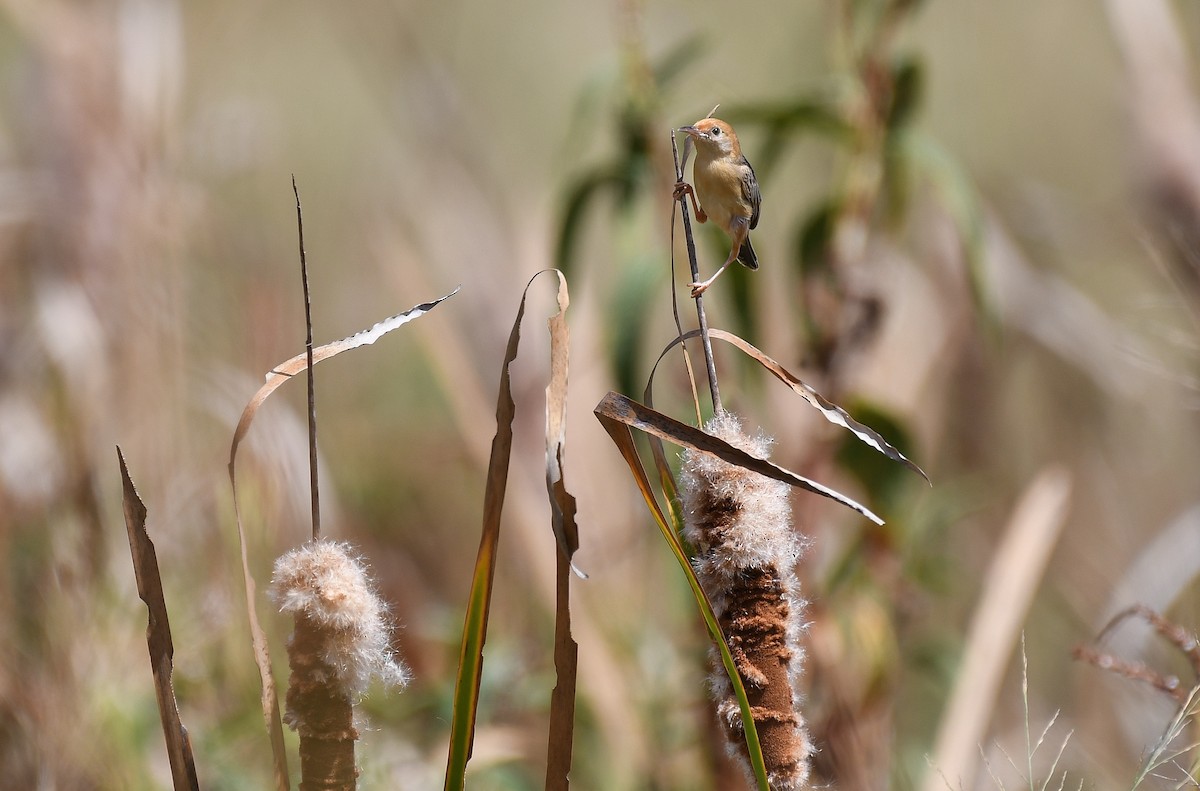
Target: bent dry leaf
298,364
625,410
275,379
158,634
470,664
622,437
829,410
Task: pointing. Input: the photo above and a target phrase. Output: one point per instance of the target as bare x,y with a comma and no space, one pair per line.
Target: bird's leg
683,188
740,232
700,288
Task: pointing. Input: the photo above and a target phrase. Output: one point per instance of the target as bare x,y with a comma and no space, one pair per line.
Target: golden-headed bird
727,189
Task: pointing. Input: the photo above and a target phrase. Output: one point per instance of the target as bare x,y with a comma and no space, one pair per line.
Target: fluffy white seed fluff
324,582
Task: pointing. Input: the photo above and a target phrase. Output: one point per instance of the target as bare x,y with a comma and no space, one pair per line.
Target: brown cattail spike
746,550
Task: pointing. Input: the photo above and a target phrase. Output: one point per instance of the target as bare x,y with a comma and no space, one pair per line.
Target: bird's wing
750,192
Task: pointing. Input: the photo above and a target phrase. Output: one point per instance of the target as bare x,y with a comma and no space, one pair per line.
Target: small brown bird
727,189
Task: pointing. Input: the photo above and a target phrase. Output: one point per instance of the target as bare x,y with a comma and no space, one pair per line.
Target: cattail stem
709,363
324,711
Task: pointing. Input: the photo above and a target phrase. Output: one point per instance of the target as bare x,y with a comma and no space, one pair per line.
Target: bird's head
714,137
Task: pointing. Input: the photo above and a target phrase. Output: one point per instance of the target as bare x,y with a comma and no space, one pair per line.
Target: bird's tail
746,255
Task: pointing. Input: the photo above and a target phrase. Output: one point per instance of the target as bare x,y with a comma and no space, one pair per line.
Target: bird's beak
690,131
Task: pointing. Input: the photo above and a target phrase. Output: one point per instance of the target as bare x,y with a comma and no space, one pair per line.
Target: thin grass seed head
746,550
326,584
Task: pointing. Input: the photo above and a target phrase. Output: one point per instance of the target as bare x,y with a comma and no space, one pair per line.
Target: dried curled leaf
829,410
625,410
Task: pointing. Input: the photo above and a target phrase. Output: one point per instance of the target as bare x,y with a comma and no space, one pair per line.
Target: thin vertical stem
709,364
312,392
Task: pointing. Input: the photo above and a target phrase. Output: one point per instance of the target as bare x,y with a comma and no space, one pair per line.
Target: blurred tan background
1014,253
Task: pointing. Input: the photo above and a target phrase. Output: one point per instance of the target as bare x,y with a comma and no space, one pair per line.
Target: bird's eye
716,131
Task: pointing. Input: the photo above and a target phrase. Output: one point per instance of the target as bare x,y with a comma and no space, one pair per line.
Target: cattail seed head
739,523
325,583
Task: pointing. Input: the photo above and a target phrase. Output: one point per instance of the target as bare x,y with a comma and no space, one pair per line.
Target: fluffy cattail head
326,585
739,523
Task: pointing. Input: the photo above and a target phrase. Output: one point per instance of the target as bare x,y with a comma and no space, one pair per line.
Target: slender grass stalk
314,488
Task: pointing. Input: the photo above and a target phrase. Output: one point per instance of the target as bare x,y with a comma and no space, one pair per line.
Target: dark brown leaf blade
639,416
158,634
566,654
314,488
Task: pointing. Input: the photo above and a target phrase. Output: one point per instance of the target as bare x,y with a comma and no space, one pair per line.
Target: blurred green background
979,234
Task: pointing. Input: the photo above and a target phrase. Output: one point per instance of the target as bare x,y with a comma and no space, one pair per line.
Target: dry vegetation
980,235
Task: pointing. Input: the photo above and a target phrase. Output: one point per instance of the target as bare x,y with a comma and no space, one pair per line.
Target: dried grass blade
566,533
622,437
650,421
566,657
566,651
158,634
269,697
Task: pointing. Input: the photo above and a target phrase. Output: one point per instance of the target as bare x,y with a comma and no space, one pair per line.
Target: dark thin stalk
687,358
709,364
312,392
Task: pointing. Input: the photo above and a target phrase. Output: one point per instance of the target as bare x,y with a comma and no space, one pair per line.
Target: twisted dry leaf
625,410
566,533
829,410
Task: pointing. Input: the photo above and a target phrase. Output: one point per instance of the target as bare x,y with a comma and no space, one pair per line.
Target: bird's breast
719,187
